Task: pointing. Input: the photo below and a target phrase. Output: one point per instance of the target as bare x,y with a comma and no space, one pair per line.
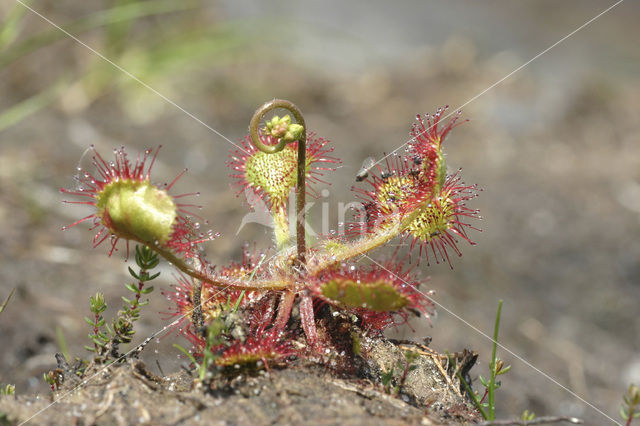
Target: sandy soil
302,393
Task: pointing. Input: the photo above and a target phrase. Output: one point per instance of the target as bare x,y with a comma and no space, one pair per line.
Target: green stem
281,227
284,310
302,162
196,315
365,244
473,396
492,366
218,282
239,301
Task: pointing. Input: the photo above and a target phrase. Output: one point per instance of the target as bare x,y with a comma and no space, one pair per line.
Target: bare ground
302,393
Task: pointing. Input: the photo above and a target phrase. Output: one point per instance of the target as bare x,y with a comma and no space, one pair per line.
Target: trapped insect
367,165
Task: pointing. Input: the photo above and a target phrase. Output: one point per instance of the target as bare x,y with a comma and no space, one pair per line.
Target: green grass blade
9,29
29,106
492,366
473,396
62,343
184,351
99,19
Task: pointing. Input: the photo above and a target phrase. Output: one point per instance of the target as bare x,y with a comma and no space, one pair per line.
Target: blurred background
555,147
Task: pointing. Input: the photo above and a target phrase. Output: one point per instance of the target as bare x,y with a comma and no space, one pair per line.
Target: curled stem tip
254,133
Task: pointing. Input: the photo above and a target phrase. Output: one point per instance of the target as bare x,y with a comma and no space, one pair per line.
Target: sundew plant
300,300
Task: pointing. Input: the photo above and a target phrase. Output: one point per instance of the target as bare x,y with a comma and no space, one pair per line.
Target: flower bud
281,128
294,133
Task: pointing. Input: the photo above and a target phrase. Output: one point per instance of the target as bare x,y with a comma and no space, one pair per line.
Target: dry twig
537,421
4,304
